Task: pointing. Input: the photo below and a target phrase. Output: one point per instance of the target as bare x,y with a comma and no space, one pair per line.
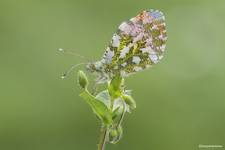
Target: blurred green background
180,102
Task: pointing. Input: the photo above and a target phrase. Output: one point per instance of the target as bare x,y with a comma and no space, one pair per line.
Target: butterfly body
137,45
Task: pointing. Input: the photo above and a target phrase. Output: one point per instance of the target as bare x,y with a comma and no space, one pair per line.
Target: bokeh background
180,102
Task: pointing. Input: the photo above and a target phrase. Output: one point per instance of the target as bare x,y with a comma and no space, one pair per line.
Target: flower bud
115,134
82,79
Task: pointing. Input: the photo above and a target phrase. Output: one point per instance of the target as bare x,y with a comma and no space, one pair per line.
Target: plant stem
123,114
103,136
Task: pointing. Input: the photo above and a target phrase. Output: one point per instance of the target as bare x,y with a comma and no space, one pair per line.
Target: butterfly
137,44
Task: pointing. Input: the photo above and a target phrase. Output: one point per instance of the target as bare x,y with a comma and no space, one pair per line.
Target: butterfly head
95,67
90,67
99,68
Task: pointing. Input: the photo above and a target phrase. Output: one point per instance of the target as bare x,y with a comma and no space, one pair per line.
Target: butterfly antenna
65,74
72,53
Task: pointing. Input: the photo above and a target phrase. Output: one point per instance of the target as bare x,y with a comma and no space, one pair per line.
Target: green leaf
98,107
116,113
118,107
104,97
129,101
114,87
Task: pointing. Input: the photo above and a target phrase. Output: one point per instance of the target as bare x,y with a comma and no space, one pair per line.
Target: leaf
114,87
98,107
118,108
129,101
104,97
116,113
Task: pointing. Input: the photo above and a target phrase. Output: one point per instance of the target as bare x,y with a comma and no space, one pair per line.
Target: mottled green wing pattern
138,44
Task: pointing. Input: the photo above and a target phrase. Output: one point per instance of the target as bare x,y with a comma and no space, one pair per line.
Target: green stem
123,114
103,136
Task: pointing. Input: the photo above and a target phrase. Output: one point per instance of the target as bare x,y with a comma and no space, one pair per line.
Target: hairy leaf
104,97
98,107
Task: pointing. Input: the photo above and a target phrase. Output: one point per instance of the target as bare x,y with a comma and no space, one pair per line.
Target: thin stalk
103,137
123,114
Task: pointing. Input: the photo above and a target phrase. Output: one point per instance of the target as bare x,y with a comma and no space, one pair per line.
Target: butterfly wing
138,44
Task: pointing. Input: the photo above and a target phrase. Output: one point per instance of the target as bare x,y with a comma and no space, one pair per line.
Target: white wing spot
153,58
126,28
146,49
163,47
136,59
124,64
116,40
137,68
160,57
124,51
109,55
138,37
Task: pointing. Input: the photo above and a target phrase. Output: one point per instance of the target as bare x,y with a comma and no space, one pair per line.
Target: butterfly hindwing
138,44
